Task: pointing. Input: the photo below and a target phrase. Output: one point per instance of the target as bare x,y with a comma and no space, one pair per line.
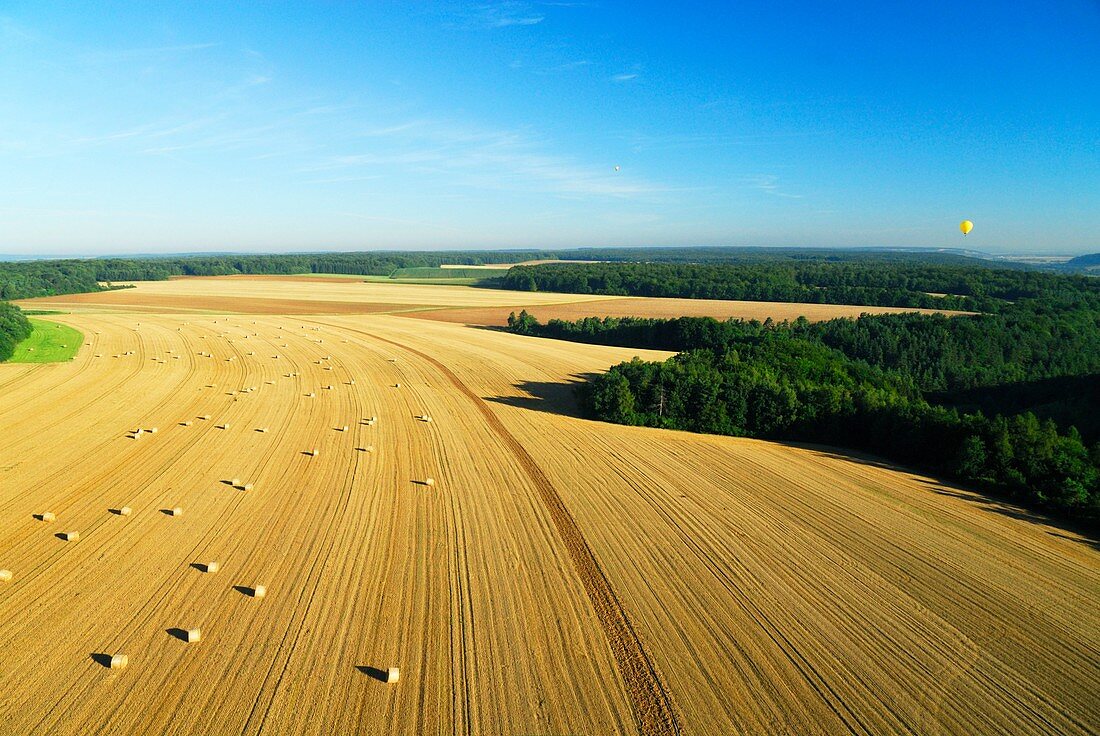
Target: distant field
453,272
658,307
50,342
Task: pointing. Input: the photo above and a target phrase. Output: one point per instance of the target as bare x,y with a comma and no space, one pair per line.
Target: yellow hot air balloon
966,226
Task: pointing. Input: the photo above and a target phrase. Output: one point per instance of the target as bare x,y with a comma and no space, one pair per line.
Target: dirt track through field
650,701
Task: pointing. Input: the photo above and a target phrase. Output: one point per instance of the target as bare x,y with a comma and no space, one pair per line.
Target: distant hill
1086,263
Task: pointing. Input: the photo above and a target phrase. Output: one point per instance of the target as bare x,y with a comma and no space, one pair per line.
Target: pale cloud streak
488,159
769,184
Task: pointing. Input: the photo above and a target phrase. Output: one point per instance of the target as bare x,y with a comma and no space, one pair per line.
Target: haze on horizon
142,128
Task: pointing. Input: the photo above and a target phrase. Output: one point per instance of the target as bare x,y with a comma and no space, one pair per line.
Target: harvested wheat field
497,316
525,571
459,304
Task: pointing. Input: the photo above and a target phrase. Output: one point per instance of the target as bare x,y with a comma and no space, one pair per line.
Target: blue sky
198,126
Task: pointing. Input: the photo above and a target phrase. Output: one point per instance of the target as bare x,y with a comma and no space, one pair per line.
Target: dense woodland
14,328
1007,400
25,279
888,283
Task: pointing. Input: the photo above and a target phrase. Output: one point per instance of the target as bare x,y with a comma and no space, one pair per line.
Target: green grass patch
50,342
450,274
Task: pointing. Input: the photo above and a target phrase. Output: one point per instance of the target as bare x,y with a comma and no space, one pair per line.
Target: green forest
1005,400
14,328
26,279
873,282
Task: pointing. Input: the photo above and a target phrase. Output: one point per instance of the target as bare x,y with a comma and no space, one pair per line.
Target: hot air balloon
617,168
966,226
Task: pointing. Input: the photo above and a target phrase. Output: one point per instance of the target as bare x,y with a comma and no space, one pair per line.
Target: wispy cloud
487,159
527,20
507,14
769,184
623,77
106,56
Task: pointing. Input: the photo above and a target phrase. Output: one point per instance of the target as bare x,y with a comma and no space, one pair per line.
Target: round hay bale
393,674
212,566
125,511
193,635
119,661
47,516
259,591
70,536
5,576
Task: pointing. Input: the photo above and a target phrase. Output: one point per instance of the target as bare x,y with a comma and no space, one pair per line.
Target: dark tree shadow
548,396
1080,532
374,672
101,658
177,633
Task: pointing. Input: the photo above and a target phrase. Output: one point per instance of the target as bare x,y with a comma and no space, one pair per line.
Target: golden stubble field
460,304
558,576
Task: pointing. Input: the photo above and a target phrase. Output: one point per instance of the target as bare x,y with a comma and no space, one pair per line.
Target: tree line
901,386
876,282
14,328
25,279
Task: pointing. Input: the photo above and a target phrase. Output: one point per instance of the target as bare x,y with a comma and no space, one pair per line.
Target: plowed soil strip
651,703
